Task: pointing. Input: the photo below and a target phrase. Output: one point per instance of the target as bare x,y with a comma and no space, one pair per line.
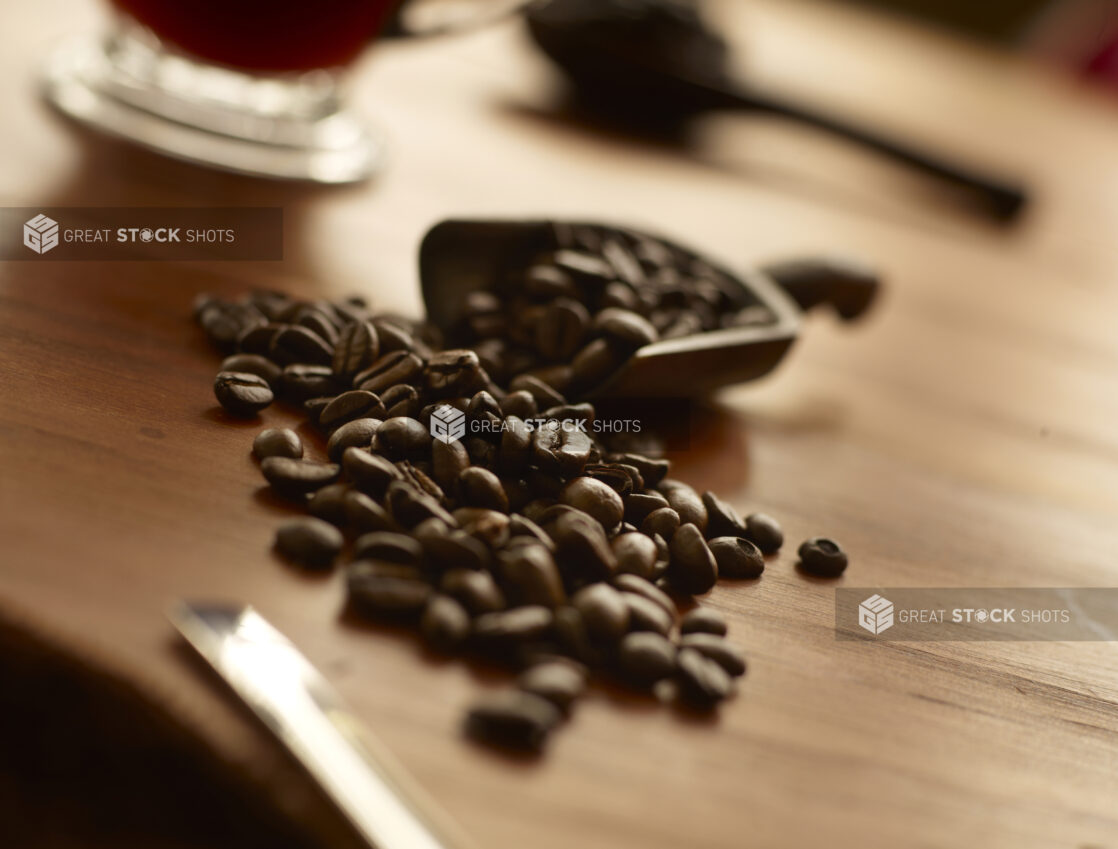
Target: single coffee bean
545,281
476,591
722,519
652,471
388,547
630,329
364,515
522,526
254,364
520,404
560,329
513,719
664,522
489,526
692,568
558,682
404,437
639,504
594,498
321,323
645,657
702,682
642,587
309,542
822,557
686,502
297,344
409,506
258,338
506,628
646,615
736,557
573,638
297,478
242,394
764,532
357,348
357,434
394,335
717,649
516,446
386,590
277,442
703,620
448,461
484,411
444,624
530,576
582,546
479,487
636,554
447,549
596,362
604,611
401,366
454,372
313,407
402,400
544,395
355,404
370,473
303,382
329,504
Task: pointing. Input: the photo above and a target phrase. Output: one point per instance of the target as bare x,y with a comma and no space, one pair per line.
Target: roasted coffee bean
404,437
277,442
635,553
639,504
512,719
409,506
450,549
302,382
645,615
388,547
692,568
586,268
516,446
448,461
357,348
722,519
506,628
483,408
604,611
736,557
717,649
254,364
562,451
329,504
355,404
364,515
224,323
559,682
444,624
479,487
594,498
702,682
258,339
543,394
386,590
358,433
822,557
653,471
520,404
370,473
686,502
645,657
629,328
400,366
489,526
582,546
309,542
530,576
664,522
596,362
242,394
401,400
703,620
574,639
642,587
545,281
296,478
321,324
297,344
560,329
313,407
764,532
453,373
522,526
476,591
393,335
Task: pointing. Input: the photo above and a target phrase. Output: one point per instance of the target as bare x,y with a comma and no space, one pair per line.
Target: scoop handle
844,285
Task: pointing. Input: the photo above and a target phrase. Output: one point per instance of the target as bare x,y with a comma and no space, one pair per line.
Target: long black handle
1005,199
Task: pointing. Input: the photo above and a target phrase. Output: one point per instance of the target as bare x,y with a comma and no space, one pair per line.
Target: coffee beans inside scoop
549,550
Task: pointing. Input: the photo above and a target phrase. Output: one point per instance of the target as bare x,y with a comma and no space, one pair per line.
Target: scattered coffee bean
530,576
635,554
764,532
645,657
389,547
717,649
355,404
444,624
242,394
822,557
692,568
358,433
478,487
329,504
475,590
663,522
722,519
512,719
703,620
558,682
277,442
380,590
737,557
297,478
594,498
702,682
309,542
254,364
357,348
604,611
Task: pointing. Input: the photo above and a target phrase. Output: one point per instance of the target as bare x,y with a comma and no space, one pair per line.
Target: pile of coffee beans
512,535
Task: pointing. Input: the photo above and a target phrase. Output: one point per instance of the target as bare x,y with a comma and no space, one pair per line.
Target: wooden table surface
963,436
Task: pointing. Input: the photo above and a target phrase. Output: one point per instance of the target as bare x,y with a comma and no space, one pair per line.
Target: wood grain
963,436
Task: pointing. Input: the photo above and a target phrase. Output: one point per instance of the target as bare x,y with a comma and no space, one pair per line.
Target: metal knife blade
308,717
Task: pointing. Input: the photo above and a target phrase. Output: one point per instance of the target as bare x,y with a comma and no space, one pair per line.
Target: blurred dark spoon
655,64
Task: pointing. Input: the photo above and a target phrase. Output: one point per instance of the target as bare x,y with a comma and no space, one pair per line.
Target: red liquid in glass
264,35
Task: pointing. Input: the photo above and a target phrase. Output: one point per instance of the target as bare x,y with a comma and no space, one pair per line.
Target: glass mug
251,86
